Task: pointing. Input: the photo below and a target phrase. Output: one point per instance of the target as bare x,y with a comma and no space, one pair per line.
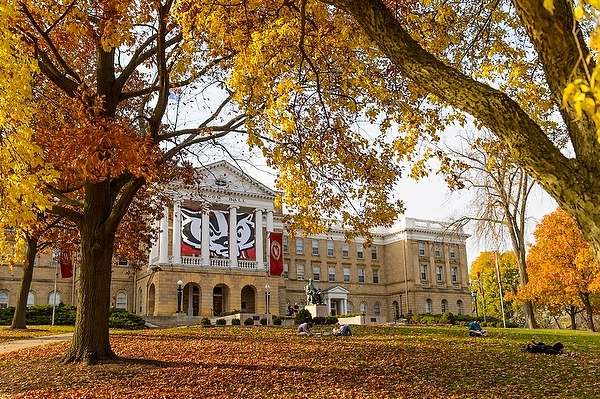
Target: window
428,306
315,247
363,308
54,298
3,299
373,252
345,250
346,274
375,276
459,307
454,273
330,248
121,301
438,273
444,306
360,254
317,273
30,298
300,272
361,275
423,272
286,270
299,246
285,244
123,262
421,249
438,251
452,250
349,307
377,309
331,274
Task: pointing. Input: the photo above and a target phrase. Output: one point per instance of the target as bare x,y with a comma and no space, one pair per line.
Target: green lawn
272,362
6,334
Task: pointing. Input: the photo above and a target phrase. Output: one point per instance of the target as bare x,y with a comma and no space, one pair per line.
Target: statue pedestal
317,310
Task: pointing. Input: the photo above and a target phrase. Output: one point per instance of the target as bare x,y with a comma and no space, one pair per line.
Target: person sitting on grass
341,330
475,329
305,329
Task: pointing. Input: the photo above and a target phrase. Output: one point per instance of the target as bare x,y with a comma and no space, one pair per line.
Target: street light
474,295
267,293
179,295
401,315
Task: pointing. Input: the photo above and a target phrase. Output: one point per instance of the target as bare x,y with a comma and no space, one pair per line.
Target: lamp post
267,294
179,295
401,315
474,295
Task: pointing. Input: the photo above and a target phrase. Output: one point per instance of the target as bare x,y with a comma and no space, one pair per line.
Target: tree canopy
563,271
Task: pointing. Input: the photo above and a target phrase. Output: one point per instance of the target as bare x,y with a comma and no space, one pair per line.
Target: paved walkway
10,346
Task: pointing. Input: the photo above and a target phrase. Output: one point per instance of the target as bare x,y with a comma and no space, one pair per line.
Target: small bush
263,321
303,316
447,318
120,318
221,322
235,322
249,321
205,322
331,320
277,321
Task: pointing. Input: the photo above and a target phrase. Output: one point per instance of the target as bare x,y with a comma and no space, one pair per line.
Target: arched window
377,309
54,298
3,299
363,308
444,306
121,301
428,306
459,307
31,298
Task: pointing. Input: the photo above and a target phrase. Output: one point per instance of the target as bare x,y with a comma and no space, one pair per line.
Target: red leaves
234,362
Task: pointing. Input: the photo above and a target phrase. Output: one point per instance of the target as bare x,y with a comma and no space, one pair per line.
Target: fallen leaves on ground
273,362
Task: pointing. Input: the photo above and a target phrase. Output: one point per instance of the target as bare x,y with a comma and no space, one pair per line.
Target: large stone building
417,266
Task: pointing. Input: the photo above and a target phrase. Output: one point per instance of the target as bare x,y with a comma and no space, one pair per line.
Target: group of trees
85,93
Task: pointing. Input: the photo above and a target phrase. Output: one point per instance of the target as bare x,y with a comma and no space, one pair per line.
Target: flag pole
500,287
54,295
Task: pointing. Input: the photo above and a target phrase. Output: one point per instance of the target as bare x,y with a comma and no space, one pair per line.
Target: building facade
417,266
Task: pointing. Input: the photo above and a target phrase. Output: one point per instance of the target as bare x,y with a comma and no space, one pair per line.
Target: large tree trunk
585,298
91,337
572,313
19,317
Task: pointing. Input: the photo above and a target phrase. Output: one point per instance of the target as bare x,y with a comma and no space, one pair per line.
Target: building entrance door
217,304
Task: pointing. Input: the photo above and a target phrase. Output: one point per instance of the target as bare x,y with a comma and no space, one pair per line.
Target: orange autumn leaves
561,265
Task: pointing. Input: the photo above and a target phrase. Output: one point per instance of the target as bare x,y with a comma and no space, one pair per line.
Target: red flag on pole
275,254
480,284
497,268
66,265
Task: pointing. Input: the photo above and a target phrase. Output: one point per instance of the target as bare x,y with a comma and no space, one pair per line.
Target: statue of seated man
313,295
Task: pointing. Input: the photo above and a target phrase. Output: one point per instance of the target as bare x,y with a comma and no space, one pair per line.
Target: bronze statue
313,294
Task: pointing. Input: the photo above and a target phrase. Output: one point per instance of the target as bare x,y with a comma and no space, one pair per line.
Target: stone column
269,220
154,248
163,250
177,233
233,236
205,239
258,239
190,309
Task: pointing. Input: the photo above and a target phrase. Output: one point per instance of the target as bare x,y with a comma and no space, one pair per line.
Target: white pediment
222,180
336,290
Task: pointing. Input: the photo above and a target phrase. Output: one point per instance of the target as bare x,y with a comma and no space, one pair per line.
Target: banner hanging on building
275,254
66,264
218,226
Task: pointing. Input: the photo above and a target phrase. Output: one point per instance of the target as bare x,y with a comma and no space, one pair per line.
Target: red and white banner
66,264
275,254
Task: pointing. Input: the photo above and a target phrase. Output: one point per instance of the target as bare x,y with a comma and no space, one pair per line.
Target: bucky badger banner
191,234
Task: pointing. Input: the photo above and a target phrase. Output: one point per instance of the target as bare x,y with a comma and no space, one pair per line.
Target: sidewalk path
10,346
